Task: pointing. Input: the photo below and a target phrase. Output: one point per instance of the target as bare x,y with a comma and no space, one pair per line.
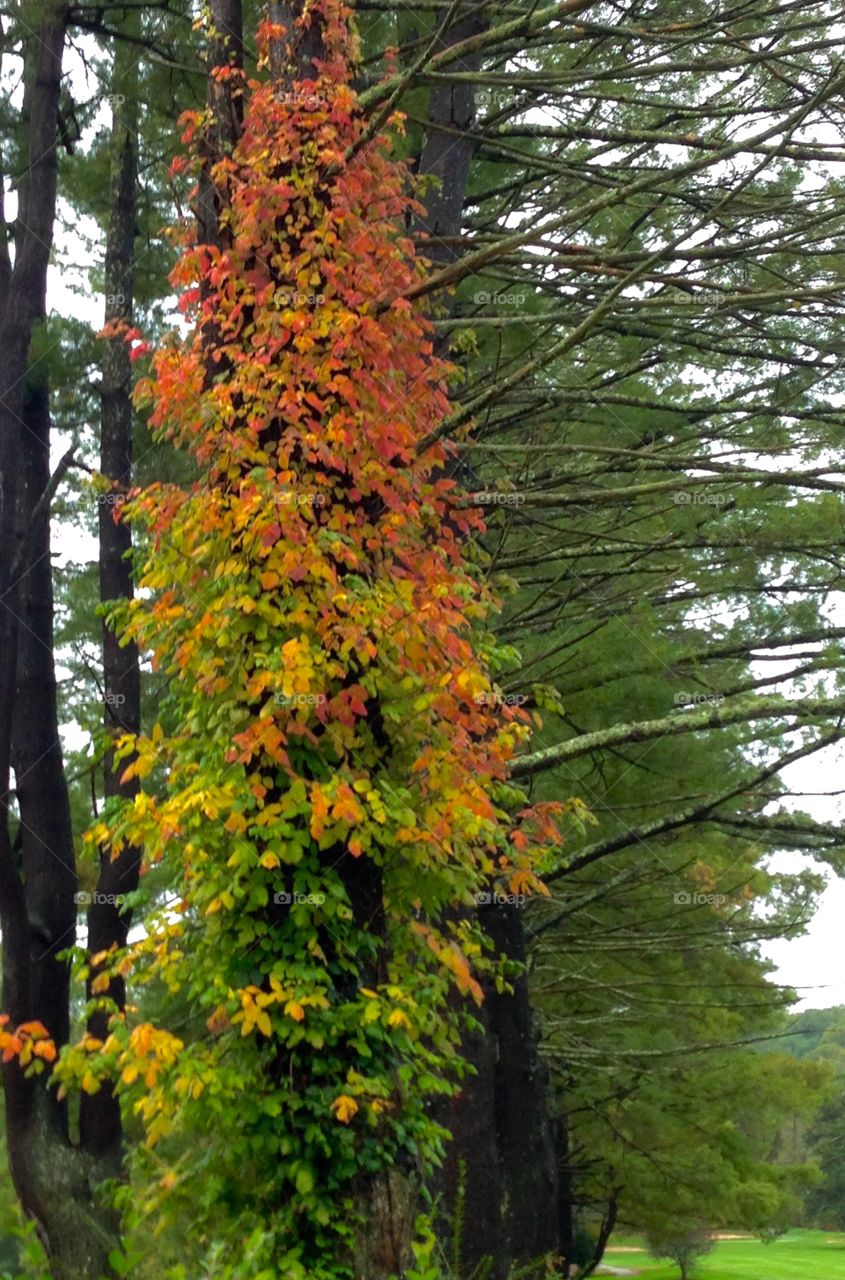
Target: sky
815,964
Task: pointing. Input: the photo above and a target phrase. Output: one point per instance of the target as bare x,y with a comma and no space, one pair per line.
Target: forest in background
632,217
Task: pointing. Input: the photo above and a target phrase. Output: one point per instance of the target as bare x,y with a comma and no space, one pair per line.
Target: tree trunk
499,1183
566,1217
500,1174
449,145
56,1183
108,922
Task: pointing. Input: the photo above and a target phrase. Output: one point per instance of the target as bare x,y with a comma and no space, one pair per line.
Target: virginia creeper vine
327,790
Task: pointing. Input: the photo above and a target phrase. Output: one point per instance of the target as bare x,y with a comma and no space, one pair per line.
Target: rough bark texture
449,145
566,1217
37,873
56,1180
226,49
389,1207
500,1175
523,1128
108,922
499,1187
469,1187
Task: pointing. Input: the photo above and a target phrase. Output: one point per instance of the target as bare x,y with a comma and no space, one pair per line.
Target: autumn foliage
327,789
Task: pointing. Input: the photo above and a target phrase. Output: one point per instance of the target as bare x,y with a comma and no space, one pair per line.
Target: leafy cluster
327,791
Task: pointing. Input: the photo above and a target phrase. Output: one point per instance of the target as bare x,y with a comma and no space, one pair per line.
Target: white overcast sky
815,964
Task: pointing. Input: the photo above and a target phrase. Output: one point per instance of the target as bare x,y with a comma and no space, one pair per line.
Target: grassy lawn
800,1255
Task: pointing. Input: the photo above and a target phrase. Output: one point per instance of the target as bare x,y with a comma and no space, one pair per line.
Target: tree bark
500,1176
101,1131
450,146
499,1185
55,1183
34,918
226,49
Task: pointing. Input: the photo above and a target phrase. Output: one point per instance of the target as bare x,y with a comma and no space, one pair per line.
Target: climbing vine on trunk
326,794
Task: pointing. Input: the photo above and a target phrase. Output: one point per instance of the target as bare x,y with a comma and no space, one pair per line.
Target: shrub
683,1245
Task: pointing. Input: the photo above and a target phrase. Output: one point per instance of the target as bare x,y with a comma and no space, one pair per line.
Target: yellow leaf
90,1083
399,1018
344,1108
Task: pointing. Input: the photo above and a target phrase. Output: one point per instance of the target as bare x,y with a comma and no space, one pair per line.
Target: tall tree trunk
499,1187
226,49
523,1126
55,1182
387,1204
108,921
449,145
566,1212
500,1174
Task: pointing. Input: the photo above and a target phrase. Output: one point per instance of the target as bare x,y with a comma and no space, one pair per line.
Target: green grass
800,1255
